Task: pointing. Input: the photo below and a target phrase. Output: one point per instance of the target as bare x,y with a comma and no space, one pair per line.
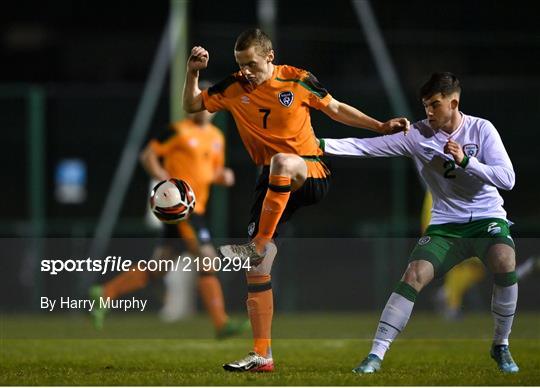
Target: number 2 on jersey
265,117
449,166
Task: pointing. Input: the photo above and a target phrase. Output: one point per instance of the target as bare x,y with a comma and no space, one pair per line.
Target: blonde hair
254,37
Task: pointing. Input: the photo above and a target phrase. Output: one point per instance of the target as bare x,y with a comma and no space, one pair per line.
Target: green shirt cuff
464,162
321,144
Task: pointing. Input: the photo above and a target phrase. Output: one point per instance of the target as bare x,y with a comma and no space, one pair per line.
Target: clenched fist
198,59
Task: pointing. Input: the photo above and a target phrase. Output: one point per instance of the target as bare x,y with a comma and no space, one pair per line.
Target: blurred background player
464,276
271,107
463,162
193,150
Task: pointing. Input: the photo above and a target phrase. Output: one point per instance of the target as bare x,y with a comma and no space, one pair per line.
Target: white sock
503,308
394,317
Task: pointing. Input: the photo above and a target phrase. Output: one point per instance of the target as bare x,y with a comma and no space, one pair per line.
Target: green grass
310,349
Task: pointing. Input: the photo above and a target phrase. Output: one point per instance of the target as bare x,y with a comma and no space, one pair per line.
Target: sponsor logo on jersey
286,98
251,229
244,99
493,228
424,240
470,150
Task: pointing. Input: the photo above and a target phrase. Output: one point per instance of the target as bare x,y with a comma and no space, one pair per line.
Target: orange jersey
273,117
193,154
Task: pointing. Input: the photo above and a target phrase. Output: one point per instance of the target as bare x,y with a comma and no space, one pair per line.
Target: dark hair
253,37
445,83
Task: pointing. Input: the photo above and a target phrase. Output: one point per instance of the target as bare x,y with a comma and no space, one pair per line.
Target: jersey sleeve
375,147
214,98
163,143
318,96
496,168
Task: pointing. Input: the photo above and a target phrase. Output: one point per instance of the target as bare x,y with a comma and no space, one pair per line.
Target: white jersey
459,194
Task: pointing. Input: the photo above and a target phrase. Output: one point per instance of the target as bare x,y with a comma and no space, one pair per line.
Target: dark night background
92,59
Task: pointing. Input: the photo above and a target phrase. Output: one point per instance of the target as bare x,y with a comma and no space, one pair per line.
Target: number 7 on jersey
265,117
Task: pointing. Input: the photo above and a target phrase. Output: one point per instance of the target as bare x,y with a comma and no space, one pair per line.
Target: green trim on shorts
446,245
505,279
474,229
406,290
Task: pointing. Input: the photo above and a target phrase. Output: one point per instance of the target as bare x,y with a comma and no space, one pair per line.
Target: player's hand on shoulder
198,58
399,124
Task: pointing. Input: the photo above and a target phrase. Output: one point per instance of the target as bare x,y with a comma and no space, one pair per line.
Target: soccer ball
172,200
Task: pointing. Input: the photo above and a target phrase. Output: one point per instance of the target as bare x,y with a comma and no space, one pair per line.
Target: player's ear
270,56
454,103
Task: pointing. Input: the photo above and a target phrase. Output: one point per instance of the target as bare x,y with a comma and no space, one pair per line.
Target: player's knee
503,263
502,258
283,163
418,274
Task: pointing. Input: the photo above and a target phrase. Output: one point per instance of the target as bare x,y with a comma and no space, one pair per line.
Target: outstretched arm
351,116
192,97
380,146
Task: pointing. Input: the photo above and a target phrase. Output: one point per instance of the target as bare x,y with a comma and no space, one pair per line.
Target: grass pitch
308,350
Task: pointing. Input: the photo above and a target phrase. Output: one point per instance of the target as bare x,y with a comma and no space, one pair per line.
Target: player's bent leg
260,309
288,172
501,259
396,313
290,165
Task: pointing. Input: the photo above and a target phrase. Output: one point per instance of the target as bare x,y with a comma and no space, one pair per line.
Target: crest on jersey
244,99
286,98
470,150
